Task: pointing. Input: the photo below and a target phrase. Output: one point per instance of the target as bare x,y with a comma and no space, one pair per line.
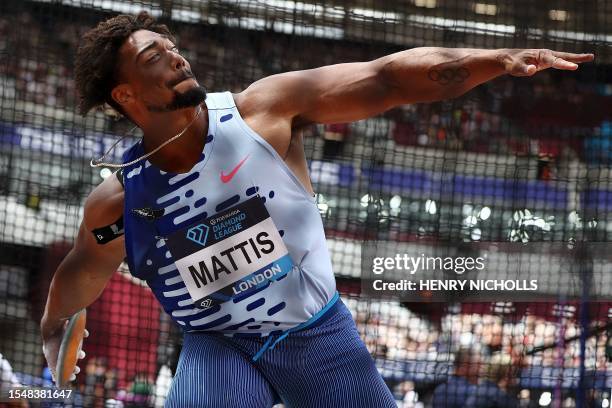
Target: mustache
184,75
191,98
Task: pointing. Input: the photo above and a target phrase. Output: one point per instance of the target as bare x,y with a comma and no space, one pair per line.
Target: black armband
110,232
119,174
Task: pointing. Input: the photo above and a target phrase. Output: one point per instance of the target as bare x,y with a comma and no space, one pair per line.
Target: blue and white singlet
236,245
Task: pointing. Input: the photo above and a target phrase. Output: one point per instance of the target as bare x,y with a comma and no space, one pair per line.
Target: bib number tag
230,254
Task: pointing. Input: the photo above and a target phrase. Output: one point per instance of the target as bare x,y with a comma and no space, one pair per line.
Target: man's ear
122,95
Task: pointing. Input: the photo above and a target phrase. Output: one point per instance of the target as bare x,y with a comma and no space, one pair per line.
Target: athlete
214,209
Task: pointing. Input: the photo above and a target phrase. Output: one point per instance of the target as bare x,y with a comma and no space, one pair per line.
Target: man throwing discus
214,209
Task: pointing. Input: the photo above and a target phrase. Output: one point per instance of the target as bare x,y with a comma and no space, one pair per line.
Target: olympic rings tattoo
448,76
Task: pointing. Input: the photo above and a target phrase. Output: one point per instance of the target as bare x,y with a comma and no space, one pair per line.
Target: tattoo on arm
448,75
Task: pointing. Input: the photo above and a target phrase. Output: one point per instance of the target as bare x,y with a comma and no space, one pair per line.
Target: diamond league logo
206,303
198,234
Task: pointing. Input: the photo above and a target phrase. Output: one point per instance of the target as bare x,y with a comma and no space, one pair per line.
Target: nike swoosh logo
226,178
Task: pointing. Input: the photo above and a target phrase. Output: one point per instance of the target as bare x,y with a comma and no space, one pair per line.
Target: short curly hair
96,58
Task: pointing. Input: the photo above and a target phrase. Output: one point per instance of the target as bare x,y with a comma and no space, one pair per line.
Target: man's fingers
77,370
560,63
72,377
81,354
577,58
85,333
549,59
529,69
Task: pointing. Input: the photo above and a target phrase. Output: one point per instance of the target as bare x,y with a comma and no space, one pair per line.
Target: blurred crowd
551,116
394,332
482,359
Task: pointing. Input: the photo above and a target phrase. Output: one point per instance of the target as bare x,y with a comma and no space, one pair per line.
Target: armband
110,232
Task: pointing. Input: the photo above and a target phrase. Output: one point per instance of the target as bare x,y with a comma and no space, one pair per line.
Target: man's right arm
87,268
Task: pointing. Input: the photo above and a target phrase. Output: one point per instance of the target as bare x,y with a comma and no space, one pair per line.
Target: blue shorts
324,365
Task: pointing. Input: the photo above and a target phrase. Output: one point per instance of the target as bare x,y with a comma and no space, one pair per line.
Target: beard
188,99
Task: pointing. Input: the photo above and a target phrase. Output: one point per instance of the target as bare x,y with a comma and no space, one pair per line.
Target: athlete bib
230,255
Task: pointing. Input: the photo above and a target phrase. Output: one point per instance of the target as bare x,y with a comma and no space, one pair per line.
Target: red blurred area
124,329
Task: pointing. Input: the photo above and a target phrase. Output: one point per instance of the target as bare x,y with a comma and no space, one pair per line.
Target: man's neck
182,154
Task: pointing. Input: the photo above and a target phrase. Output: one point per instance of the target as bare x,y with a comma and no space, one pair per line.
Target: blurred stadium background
517,160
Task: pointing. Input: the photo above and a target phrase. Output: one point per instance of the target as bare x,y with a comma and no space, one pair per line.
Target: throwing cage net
518,169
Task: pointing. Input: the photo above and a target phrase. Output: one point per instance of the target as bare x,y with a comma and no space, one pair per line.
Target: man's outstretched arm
354,91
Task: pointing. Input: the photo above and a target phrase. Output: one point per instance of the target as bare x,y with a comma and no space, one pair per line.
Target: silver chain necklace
100,163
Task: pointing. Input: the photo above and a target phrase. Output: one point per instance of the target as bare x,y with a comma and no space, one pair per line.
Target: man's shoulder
245,104
273,95
104,205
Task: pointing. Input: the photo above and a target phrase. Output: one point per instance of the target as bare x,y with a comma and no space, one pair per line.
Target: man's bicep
100,235
329,94
100,241
101,259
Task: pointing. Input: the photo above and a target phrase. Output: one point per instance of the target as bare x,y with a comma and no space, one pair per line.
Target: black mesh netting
514,161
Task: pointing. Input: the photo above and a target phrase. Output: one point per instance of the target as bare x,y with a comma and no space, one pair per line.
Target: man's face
153,74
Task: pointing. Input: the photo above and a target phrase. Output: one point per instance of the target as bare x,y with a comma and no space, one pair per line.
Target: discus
70,348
